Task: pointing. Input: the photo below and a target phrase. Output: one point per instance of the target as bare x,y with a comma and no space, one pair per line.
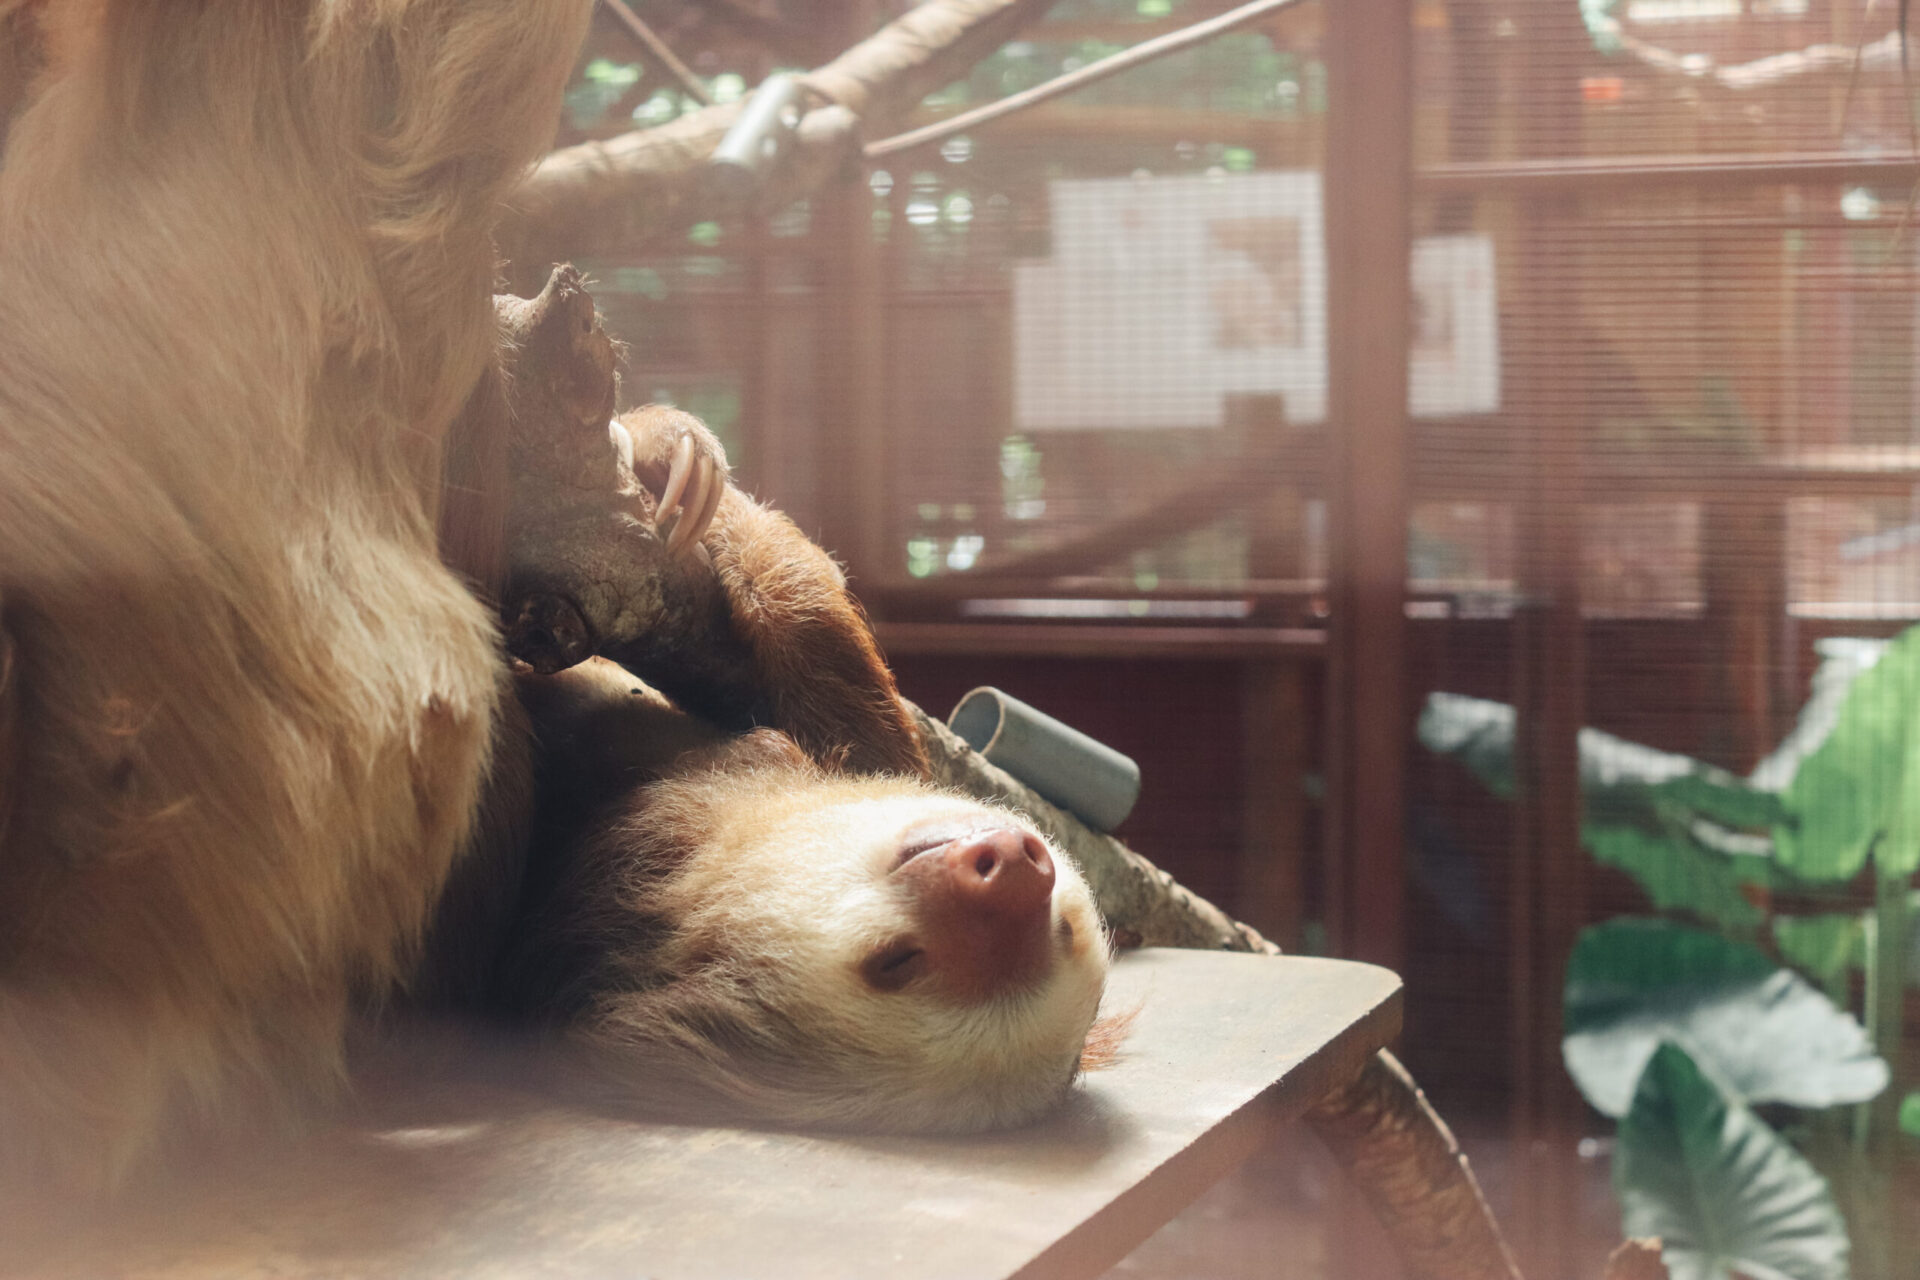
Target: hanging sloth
256,729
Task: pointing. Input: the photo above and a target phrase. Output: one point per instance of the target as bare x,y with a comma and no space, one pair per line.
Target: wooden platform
451,1172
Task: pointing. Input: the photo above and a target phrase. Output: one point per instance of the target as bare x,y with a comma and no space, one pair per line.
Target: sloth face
872,954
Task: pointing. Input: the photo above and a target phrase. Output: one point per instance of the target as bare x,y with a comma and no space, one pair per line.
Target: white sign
1167,295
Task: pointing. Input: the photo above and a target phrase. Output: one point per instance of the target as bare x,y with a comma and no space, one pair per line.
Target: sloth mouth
922,841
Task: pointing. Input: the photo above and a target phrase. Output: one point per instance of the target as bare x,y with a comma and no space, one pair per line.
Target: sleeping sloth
734,923
782,922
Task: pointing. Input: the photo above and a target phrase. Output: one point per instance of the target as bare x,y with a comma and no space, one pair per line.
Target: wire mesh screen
1693,78
1058,391
1097,331
1068,371
1103,322
1701,469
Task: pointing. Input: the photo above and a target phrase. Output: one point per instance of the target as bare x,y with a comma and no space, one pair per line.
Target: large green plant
1680,1026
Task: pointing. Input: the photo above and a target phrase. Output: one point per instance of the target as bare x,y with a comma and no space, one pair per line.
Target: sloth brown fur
244,711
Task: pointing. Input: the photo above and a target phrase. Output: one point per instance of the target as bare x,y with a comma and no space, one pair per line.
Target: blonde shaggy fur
704,947
244,711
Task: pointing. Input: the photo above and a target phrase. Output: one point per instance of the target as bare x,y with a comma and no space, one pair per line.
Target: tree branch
587,572
1774,69
1146,51
599,197
1146,906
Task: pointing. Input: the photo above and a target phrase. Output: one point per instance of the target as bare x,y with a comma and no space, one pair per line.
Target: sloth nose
1004,872
983,906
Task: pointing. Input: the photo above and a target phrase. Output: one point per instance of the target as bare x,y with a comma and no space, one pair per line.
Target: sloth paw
695,481
676,457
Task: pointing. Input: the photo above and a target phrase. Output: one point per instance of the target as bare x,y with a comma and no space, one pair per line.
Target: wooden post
854,475
855,478
1273,834
1368,220
1368,180
1545,408
761,432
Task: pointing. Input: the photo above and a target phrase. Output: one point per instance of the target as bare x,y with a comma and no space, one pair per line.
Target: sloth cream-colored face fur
870,954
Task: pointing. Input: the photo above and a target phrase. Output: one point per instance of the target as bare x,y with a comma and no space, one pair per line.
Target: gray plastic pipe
1066,766
753,145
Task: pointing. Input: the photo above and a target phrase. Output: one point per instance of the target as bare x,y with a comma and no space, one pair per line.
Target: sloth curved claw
716,489
677,475
691,502
695,485
699,502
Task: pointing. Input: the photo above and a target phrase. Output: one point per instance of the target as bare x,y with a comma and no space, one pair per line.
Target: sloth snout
982,903
1001,872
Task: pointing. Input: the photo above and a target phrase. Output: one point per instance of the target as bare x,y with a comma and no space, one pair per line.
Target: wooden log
1143,905
587,572
1410,1170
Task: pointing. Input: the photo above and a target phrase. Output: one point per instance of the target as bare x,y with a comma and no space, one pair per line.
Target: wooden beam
855,486
1099,640
1369,221
1549,423
1641,173
1272,882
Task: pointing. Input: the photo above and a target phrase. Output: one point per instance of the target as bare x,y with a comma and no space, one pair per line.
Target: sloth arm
786,646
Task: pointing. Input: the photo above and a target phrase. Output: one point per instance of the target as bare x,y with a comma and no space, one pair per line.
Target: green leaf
1825,946
1678,826
1759,1030
1828,947
1898,853
1602,26
1843,659
1855,793
1725,1194
1474,731
1910,1115
1710,793
1619,780
1832,831
1679,874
